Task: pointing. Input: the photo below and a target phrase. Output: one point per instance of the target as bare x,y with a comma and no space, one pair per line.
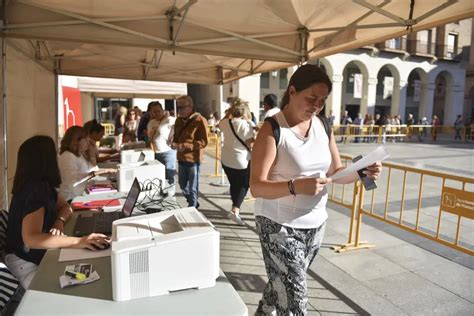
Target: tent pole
5,112
56,110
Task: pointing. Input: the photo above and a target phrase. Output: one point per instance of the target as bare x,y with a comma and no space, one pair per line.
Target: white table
45,297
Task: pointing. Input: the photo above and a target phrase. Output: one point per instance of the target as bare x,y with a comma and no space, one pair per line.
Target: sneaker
236,218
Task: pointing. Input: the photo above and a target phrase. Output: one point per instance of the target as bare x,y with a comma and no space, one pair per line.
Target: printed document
378,154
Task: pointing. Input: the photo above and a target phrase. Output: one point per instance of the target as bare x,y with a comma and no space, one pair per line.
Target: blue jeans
188,178
168,158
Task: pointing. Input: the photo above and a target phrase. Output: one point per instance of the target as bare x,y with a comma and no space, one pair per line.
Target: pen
76,275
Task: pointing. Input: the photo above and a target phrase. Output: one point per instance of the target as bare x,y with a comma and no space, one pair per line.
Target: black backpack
276,127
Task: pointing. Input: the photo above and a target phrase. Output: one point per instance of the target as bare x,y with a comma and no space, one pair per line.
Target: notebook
91,205
100,188
101,222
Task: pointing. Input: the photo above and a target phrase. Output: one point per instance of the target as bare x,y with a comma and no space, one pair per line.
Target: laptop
101,222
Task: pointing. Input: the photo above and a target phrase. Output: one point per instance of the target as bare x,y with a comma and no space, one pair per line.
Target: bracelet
291,186
62,219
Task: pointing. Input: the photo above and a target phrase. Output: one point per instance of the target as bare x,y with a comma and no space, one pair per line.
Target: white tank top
298,157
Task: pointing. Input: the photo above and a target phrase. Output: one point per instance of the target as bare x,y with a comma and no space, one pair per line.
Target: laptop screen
141,157
131,200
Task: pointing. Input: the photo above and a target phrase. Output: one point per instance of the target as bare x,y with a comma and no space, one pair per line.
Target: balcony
422,48
449,52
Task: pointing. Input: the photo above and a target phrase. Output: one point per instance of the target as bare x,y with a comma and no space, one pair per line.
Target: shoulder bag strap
236,136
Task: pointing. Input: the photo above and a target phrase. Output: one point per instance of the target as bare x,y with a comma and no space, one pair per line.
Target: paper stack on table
81,273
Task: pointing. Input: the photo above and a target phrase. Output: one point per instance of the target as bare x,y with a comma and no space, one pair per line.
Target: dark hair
303,78
37,160
155,103
270,100
71,139
93,126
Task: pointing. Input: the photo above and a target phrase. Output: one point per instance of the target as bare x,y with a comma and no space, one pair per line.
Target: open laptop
101,222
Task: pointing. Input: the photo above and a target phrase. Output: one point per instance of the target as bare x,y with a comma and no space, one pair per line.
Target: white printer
163,252
152,170
136,155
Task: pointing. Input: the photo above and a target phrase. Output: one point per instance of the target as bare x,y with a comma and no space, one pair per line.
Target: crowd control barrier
385,133
435,205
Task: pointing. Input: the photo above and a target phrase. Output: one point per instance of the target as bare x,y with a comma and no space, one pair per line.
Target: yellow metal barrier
109,129
436,213
381,134
214,150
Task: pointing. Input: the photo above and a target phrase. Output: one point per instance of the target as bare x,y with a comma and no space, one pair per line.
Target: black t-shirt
34,195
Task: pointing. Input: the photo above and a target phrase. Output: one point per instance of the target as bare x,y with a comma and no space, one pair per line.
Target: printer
136,155
152,170
163,252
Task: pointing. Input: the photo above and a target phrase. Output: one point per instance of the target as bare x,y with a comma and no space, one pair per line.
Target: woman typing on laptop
37,213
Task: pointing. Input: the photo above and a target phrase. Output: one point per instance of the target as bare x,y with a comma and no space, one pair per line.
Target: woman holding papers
37,213
289,179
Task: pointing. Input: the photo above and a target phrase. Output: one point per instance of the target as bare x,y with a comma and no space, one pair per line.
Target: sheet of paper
79,254
379,154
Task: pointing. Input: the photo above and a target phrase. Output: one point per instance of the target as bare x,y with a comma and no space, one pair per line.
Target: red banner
72,107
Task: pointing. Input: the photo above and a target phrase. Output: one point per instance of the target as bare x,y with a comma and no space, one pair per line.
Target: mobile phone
368,183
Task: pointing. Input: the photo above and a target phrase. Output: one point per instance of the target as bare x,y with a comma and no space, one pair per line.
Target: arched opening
414,85
443,86
385,86
352,86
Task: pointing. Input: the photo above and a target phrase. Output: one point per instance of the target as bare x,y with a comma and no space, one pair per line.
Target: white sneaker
236,218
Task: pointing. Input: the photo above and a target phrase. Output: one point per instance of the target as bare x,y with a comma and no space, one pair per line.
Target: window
265,80
350,72
452,49
424,42
394,43
283,78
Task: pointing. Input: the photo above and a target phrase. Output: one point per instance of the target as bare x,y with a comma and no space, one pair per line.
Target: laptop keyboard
103,222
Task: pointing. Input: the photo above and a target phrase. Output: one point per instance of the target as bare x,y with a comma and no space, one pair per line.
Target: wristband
291,186
62,219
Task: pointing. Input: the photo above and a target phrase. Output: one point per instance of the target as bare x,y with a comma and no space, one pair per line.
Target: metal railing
431,204
109,129
381,134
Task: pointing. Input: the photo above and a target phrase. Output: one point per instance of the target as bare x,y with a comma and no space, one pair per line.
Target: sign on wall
72,107
358,86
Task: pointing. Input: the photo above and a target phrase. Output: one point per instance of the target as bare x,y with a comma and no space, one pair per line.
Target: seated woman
72,163
37,213
95,133
74,167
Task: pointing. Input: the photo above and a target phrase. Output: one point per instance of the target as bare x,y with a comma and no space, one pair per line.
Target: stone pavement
404,274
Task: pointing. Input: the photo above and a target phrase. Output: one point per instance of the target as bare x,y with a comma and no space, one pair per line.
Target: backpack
276,127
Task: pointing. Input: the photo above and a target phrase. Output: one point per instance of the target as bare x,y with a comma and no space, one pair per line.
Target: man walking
270,105
189,140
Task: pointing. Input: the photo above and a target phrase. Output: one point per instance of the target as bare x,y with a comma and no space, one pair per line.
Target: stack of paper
101,188
90,205
81,273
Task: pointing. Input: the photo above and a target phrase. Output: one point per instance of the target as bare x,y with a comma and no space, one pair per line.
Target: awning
208,41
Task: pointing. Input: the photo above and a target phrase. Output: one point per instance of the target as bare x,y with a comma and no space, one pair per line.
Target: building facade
425,73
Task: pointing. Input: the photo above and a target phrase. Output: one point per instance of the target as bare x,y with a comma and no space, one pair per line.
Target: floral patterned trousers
288,253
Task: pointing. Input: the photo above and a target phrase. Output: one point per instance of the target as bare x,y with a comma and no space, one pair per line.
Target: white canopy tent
207,41
193,41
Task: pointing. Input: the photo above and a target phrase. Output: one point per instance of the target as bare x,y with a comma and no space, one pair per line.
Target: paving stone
366,265
412,293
